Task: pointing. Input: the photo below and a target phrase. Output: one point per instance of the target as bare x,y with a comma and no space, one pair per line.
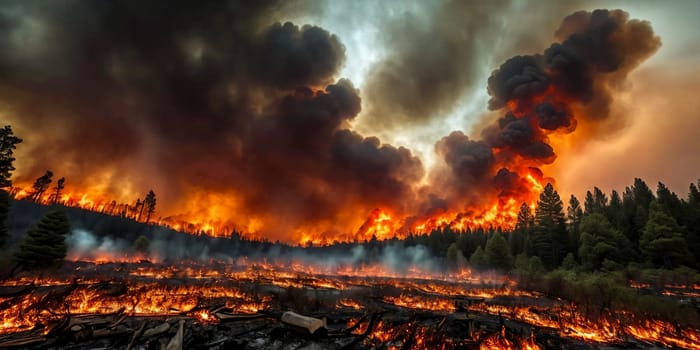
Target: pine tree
478,258
525,218
614,212
670,202
45,244
588,203
56,194
41,185
573,219
600,241
150,203
497,253
600,200
662,242
692,215
8,143
550,241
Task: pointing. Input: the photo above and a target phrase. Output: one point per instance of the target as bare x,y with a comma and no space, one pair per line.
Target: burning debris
269,306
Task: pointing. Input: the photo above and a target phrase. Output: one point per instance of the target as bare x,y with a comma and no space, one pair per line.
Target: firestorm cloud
233,115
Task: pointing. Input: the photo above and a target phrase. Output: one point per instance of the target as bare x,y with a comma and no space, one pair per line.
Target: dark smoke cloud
519,77
187,97
291,56
217,97
551,117
466,158
538,94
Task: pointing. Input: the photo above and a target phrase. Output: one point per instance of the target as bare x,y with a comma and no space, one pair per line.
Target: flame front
153,290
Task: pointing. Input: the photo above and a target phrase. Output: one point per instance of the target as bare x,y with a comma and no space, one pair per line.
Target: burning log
304,324
226,317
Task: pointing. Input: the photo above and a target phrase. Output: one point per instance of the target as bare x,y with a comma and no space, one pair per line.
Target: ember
455,313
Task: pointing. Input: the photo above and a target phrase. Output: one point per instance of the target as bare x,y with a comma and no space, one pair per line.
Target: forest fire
380,224
213,295
221,190
294,176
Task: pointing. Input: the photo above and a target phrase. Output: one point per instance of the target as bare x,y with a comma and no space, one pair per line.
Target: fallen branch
136,335
23,342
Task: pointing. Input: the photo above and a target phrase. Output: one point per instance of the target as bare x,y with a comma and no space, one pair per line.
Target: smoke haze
236,116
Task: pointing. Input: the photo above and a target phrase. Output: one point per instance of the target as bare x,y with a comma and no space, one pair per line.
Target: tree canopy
45,244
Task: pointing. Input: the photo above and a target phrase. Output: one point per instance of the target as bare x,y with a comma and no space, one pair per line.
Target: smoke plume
546,96
238,120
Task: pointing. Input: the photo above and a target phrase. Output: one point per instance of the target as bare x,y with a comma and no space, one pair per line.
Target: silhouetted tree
41,185
615,212
692,215
56,194
588,203
525,218
519,239
45,244
662,242
600,200
138,209
550,241
8,144
670,202
595,202
150,204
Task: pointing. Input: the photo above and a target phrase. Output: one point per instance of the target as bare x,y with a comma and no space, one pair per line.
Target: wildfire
154,290
422,303
215,218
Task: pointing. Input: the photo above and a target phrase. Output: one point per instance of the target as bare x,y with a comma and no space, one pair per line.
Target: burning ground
241,121
223,305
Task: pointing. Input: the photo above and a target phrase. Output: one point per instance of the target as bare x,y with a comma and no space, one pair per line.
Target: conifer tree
45,244
41,185
662,242
574,213
56,193
600,241
150,203
497,253
550,241
8,143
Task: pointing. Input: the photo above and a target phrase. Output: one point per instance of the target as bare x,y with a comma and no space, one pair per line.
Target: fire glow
283,162
379,224
155,290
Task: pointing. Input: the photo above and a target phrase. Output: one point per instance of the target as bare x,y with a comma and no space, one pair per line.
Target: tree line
44,244
637,227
